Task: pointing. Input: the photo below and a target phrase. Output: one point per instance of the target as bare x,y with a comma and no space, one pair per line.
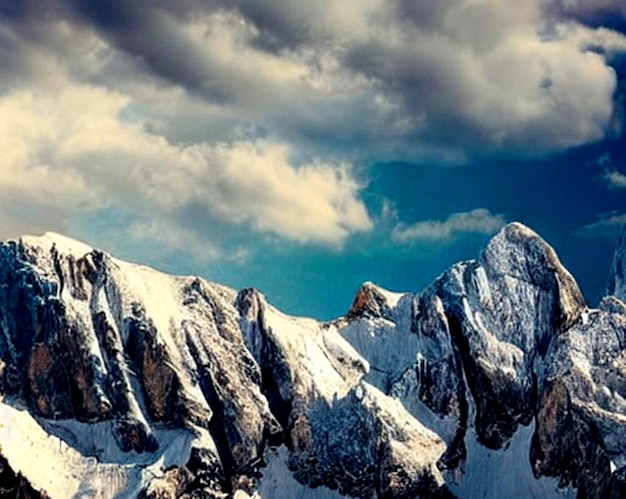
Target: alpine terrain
497,380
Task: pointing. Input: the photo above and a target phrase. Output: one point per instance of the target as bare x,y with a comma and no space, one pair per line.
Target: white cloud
71,148
615,179
586,38
484,75
478,221
611,176
607,226
248,114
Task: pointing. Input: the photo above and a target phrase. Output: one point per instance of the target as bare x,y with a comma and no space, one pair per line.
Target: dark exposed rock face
489,341
396,399
369,302
14,485
582,408
503,310
343,435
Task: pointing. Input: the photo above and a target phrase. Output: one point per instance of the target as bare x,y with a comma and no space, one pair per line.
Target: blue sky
305,147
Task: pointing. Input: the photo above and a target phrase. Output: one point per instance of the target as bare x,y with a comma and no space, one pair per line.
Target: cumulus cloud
615,179
607,225
416,80
72,149
477,221
195,114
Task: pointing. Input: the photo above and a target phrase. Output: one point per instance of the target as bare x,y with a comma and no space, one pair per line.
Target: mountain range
497,380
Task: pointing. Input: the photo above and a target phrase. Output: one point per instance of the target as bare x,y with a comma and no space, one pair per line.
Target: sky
304,148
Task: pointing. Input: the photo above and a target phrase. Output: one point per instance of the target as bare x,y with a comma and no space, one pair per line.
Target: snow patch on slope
67,458
417,447
325,360
49,463
491,474
405,391
388,345
278,481
63,243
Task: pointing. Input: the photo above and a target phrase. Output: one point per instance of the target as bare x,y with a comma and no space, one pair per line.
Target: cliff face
89,339
500,344
129,381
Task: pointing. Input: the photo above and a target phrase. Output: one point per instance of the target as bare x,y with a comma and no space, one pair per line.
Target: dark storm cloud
595,12
471,76
152,35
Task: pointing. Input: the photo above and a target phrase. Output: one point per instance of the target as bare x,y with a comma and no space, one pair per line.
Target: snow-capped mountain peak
127,381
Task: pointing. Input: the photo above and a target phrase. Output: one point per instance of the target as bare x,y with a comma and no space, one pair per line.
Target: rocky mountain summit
497,380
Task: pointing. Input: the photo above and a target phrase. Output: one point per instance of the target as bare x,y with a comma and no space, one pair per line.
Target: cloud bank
198,116
72,150
451,77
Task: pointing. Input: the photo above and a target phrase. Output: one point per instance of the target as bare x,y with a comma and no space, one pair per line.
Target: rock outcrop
341,432
503,310
481,351
93,339
132,382
581,417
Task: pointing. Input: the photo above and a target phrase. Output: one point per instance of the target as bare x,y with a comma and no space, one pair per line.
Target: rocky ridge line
198,384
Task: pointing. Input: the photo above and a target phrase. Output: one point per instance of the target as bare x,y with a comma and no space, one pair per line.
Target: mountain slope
128,382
